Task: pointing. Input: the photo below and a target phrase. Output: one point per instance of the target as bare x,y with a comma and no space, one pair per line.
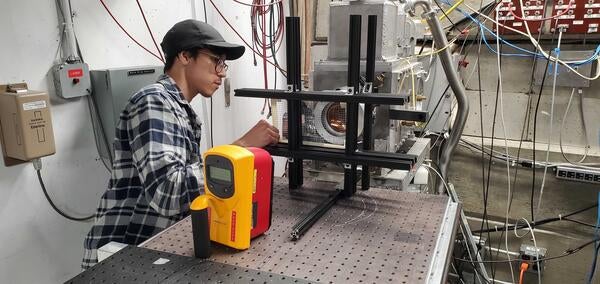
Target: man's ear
184,57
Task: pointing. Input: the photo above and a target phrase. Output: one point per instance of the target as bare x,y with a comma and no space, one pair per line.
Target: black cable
43,186
594,263
204,7
422,47
518,157
525,122
567,252
212,141
579,222
485,193
92,107
475,268
541,222
273,52
436,107
537,106
488,178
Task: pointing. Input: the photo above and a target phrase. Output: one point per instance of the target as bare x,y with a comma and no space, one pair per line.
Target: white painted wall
36,244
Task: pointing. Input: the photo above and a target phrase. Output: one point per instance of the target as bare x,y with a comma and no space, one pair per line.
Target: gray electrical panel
112,89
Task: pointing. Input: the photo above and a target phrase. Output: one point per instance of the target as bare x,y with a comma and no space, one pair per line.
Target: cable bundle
267,38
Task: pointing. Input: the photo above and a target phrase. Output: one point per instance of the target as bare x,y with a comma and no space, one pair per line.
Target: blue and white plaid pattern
155,171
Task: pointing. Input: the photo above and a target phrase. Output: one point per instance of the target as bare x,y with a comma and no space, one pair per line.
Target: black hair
170,59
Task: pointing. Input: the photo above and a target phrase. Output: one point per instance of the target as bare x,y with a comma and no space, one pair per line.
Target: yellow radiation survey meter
236,204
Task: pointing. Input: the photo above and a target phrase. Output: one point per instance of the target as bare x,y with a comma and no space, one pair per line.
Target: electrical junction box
26,124
71,80
564,76
111,90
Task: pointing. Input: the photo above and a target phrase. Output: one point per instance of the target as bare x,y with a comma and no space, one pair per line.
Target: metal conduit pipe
70,47
453,79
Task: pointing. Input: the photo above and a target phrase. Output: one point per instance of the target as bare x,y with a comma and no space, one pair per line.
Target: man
157,154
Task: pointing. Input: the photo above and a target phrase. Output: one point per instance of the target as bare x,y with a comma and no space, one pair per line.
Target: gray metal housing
112,89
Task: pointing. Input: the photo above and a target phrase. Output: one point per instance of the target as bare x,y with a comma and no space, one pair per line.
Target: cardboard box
26,123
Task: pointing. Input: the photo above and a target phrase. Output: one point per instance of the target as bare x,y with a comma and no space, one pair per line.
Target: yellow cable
401,83
438,50
447,12
451,9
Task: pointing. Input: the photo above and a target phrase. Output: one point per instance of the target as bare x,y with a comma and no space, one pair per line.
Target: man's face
205,72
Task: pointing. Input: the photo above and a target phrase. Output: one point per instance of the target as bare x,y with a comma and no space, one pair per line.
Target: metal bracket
18,88
349,90
367,88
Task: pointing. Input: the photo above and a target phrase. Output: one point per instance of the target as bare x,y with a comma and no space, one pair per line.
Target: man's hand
261,135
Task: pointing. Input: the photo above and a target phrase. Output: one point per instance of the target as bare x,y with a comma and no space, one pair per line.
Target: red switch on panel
75,81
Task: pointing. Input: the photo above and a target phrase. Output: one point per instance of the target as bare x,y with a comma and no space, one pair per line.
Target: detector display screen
220,174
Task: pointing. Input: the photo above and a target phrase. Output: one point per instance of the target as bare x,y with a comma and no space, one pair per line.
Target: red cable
264,38
543,19
276,33
257,5
150,31
243,40
125,31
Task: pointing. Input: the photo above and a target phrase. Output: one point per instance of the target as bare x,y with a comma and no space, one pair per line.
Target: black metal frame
351,157
368,113
295,171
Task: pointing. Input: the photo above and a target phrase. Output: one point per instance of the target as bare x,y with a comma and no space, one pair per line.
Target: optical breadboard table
376,236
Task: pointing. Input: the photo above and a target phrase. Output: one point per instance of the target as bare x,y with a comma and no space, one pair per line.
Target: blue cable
526,52
483,28
589,60
551,63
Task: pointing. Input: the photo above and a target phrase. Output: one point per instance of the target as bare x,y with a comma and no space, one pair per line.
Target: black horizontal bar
370,154
378,159
323,96
411,115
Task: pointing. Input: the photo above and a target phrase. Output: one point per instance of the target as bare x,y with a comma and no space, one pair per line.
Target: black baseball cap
191,33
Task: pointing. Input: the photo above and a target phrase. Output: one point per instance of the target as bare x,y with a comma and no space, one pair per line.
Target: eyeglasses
220,65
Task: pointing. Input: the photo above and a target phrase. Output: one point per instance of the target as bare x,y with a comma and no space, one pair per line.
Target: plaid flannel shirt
155,172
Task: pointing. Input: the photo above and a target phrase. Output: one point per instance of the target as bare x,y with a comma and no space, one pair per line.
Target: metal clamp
348,90
367,88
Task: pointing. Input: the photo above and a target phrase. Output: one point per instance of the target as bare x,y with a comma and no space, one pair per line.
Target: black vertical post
294,127
352,108
368,116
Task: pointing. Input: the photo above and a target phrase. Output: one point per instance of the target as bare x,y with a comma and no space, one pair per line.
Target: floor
560,197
